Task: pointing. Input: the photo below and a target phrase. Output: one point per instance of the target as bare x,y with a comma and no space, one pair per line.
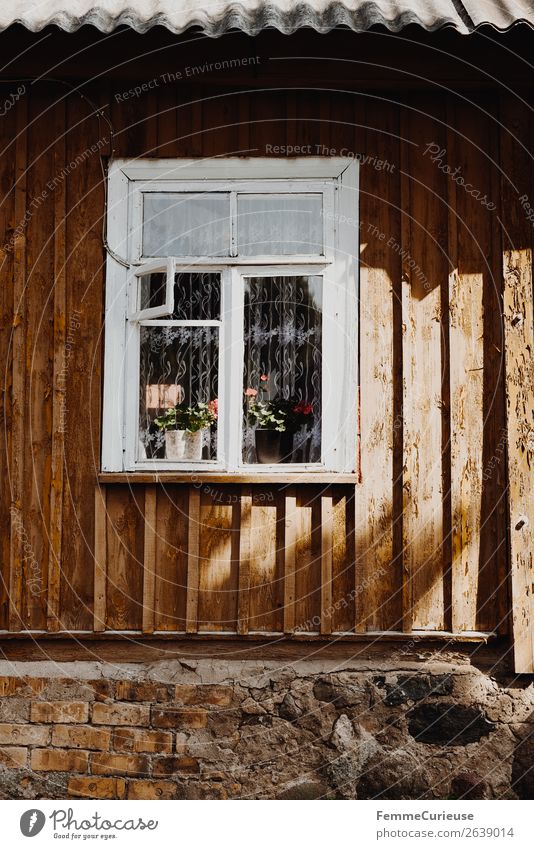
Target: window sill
228,477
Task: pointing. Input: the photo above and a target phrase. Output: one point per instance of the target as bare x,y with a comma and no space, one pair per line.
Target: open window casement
151,290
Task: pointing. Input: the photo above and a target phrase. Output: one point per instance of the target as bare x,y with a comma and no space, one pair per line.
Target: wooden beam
487,651
59,377
516,168
290,552
243,603
149,560
327,539
193,565
101,555
18,452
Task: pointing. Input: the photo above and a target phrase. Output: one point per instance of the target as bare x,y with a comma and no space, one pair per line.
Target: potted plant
276,422
183,426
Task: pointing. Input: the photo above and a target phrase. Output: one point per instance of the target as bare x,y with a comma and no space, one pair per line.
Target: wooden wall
421,542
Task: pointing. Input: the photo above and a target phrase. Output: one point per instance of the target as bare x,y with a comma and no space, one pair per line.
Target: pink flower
251,393
213,407
264,377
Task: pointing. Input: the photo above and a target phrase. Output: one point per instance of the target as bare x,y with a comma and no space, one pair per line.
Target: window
231,316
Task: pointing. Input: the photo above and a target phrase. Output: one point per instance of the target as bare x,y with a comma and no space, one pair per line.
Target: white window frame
337,179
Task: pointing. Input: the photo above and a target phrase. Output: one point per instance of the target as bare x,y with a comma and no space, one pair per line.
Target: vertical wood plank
266,564
470,245
8,144
424,272
84,291
219,559
308,560
516,168
171,557
343,560
18,371
38,320
59,378
327,539
100,560
245,511
193,565
125,551
149,560
290,552
378,569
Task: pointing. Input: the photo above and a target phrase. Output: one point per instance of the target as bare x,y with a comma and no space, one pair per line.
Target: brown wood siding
420,542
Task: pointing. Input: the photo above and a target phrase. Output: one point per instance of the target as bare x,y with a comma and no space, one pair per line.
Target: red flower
303,409
264,377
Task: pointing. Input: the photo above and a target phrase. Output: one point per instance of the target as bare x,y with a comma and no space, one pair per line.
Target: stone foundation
223,729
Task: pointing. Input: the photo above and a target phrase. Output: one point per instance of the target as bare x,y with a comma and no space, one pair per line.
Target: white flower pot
183,445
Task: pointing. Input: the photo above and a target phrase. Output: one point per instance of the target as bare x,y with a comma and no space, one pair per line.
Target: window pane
152,290
186,224
279,224
282,373
197,297
178,366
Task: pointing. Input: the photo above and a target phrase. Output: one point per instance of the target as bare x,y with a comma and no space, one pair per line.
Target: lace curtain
180,364
282,330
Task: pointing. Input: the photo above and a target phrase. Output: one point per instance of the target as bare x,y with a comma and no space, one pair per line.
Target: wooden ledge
486,652
224,477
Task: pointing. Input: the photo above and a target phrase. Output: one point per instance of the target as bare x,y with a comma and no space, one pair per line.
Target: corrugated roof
216,17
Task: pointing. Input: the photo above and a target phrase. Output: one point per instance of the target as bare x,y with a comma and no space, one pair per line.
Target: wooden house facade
431,531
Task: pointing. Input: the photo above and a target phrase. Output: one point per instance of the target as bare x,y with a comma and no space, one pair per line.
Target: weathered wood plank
474,392
8,143
59,378
193,564
266,575
100,560
219,559
39,359
125,550
378,519
84,291
308,561
423,231
171,557
327,541
243,608
343,560
517,184
17,470
149,560
290,554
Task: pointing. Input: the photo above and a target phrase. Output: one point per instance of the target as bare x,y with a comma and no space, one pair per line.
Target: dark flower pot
272,446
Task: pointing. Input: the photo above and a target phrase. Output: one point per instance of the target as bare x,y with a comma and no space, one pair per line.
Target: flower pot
273,446
183,445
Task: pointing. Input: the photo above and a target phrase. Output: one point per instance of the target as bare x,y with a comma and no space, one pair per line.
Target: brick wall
261,730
